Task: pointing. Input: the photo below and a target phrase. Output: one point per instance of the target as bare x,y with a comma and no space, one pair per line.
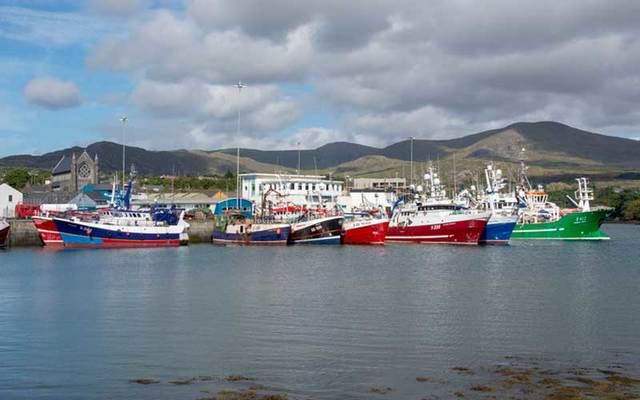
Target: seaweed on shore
238,378
247,394
144,381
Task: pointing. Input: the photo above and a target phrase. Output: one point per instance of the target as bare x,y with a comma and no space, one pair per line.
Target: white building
379,183
363,199
298,189
9,198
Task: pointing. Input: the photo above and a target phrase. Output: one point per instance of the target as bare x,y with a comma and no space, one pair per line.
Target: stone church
72,173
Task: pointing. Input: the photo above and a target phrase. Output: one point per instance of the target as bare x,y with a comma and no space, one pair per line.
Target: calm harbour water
313,322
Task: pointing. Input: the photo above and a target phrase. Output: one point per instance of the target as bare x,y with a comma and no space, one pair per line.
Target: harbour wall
23,232
200,231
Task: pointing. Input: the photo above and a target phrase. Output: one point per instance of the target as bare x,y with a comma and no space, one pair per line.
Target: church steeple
74,173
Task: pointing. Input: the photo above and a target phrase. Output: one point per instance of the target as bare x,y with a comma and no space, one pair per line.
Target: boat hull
498,230
47,231
365,232
582,225
81,234
4,234
326,230
258,234
465,231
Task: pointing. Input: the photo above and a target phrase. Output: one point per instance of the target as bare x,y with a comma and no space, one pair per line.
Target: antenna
240,86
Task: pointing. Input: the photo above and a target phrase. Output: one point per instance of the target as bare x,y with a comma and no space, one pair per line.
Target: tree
17,177
632,210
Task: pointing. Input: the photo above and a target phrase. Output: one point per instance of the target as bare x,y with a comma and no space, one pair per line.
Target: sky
367,71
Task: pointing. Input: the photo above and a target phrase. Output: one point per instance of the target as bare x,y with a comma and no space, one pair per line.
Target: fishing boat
117,226
4,232
540,218
499,229
365,228
317,228
434,218
504,213
312,221
75,231
47,230
236,228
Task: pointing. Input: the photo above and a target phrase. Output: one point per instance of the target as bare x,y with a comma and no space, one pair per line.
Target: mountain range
552,149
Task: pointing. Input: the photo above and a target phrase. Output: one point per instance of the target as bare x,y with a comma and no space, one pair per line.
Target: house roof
97,197
62,167
97,187
48,198
9,187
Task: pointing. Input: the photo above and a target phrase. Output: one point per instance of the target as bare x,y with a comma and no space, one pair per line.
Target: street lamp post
298,158
124,120
411,163
240,86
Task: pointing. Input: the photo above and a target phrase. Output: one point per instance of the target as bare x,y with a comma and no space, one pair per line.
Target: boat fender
277,231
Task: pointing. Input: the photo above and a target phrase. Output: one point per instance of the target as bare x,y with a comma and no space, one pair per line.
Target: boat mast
240,86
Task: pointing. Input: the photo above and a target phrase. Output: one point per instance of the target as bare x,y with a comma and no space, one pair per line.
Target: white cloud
52,93
383,69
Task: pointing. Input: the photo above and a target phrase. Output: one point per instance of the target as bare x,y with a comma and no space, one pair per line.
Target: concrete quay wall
23,232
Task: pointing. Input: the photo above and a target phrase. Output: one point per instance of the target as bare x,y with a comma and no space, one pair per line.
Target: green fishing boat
579,225
542,219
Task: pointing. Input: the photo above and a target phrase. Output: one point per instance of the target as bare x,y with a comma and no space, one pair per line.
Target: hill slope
549,145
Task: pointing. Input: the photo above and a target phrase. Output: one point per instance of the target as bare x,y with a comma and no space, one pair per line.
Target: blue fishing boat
238,229
499,229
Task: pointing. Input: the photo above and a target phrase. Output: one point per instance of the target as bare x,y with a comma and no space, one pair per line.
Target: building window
84,171
10,198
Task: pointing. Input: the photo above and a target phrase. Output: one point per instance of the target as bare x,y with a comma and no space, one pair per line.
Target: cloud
382,69
208,113
52,93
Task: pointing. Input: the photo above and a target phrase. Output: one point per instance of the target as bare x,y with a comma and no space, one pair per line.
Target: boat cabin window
437,207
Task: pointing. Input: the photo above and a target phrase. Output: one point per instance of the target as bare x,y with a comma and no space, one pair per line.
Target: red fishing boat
4,232
365,229
422,224
434,218
47,230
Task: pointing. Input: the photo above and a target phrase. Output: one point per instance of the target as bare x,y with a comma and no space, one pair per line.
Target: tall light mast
124,179
240,86
411,163
298,172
